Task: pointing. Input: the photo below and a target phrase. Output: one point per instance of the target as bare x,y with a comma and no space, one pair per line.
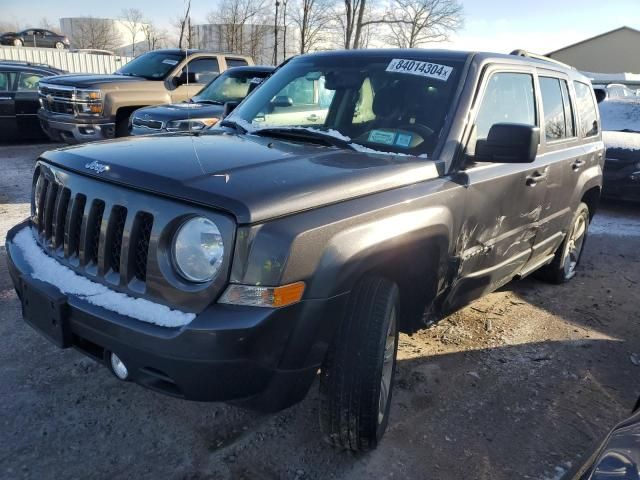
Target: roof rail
25,63
524,53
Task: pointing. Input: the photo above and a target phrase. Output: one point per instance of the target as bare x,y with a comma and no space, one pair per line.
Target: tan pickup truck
84,107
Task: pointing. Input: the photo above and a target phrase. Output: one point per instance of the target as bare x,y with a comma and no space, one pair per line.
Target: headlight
198,250
88,95
88,102
187,125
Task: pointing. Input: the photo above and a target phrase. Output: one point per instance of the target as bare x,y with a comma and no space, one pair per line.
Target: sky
492,25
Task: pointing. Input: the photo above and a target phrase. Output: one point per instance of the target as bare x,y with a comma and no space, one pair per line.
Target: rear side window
508,98
555,122
586,108
236,62
6,81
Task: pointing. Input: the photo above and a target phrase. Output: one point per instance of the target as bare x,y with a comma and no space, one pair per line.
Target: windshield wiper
305,134
209,102
233,124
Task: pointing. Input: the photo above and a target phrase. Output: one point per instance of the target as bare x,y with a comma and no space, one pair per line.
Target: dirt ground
518,385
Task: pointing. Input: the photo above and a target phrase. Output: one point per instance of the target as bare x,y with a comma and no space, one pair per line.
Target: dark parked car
19,98
234,264
35,37
203,109
621,135
617,457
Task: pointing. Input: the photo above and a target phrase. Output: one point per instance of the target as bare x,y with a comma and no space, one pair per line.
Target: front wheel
563,267
357,375
17,42
59,45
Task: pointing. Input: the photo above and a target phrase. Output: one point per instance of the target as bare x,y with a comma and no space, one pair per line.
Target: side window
586,108
236,62
555,125
6,81
28,81
568,109
301,91
508,98
207,68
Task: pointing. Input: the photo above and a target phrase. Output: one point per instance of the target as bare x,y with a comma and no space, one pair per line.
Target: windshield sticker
424,69
256,80
380,136
169,61
404,140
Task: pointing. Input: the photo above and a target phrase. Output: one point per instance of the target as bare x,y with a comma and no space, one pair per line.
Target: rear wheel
567,257
357,375
17,42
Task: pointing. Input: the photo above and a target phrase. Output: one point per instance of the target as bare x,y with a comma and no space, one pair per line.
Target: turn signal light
274,297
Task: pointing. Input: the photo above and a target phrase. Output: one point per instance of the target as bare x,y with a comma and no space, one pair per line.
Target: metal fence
64,60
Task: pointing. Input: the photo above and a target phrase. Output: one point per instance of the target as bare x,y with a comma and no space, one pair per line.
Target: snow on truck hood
48,270
254,178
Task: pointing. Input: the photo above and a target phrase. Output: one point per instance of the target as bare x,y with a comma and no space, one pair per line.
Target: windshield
381,102
229,87
152,65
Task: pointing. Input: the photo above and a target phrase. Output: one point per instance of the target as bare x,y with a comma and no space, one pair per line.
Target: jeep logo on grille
97,166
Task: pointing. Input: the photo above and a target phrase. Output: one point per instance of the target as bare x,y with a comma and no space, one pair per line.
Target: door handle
577,164
5,98
535,178
313,117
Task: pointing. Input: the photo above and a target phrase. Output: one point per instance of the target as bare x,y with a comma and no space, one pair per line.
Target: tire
567,257
122,124
17,42
358,372
59,45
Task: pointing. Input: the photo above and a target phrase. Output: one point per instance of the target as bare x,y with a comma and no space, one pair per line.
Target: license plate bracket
46,310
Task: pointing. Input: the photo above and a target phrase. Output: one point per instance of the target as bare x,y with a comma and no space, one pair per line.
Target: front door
27,105
7,105
503,200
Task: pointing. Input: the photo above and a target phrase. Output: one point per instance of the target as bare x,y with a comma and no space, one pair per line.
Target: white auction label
424,69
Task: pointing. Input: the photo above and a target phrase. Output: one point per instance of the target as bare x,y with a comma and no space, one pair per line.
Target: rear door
503,200
562,154
8,127
27,104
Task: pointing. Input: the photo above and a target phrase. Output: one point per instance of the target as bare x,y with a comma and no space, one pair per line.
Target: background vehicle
268,253
19,102
203,109
35,37
617,457
79,108
621,134
92,51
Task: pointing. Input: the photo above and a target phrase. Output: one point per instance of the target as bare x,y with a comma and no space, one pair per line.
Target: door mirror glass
509,143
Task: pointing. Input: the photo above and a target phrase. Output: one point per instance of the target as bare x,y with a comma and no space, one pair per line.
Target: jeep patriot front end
353,196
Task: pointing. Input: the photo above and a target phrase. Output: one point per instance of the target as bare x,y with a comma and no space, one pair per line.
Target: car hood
179,111
253,178
90,80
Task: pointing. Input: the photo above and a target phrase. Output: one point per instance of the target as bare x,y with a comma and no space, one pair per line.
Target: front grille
57,100
56,92
145,123
120,237
75,229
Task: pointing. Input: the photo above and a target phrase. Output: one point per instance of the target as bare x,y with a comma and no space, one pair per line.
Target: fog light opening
118,367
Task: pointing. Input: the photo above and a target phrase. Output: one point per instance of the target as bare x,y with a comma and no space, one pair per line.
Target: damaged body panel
419,181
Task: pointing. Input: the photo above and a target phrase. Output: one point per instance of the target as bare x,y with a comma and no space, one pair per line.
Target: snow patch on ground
67,281
607,224
620,114
623,140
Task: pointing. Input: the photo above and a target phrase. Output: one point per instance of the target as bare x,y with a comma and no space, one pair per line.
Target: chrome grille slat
49,205
59,217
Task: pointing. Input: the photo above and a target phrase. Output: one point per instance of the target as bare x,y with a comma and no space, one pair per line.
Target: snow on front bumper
48,270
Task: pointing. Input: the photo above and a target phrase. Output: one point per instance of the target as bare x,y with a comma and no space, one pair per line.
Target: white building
104,33
254,40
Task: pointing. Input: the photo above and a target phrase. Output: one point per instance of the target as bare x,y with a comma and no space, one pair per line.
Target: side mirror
186,77
282,101
509,143
228,108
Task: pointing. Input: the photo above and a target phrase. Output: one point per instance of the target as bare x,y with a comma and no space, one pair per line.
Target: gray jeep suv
355,195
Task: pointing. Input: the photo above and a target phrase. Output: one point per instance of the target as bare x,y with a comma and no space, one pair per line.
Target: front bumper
265,359
73,129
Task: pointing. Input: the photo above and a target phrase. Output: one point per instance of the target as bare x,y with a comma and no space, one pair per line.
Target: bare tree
9,25
238,20
90,32
413,23
155,38
183,25
132,20
350,19
311,18
46,24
